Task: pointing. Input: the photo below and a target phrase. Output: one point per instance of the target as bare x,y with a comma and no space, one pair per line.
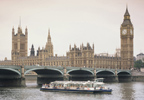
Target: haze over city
70,22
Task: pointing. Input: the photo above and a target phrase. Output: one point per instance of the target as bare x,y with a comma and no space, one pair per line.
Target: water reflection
127,91
32,83
139,90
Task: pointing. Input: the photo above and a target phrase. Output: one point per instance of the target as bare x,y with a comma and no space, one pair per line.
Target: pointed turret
20,21
19,30
13,32
74,45
38,51
32,51
39,48
70,47
82,46
26,31
19,26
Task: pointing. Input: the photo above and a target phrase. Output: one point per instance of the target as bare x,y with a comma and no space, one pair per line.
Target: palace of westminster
82,56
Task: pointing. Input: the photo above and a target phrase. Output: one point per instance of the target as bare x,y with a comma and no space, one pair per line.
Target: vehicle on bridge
96,86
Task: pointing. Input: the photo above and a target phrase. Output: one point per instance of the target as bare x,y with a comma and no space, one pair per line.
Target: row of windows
67,63
56,63
88,55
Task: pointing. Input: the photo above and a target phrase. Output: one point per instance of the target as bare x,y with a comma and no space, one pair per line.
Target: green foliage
138,64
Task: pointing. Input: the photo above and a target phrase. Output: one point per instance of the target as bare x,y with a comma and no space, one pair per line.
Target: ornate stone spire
19,26
126,20
49,45
49,37
126,13
70,47
20,21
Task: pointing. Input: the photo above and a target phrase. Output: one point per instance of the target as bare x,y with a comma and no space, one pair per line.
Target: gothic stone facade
82,56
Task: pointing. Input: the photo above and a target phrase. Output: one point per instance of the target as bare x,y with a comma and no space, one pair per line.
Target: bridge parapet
18,69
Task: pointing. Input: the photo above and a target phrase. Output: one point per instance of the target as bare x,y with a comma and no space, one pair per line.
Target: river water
121,91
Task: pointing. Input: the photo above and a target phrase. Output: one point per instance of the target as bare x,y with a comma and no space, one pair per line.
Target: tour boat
96,86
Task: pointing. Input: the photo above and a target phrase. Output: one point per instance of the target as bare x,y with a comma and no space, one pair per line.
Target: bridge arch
47,75
11,77
34,69
80,75
105,71
12,70
126,72
124,76
108,75
89,71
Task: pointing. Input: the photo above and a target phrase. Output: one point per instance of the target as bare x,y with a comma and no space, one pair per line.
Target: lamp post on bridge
22,72
65,76
116,76
22,75
116,67
22,68
94,66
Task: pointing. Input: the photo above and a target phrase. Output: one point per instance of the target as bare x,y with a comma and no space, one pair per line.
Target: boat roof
76,82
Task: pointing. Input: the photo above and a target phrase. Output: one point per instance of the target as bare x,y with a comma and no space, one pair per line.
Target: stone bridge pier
23,83
65,75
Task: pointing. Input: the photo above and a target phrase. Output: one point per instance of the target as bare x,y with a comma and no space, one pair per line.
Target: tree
138,64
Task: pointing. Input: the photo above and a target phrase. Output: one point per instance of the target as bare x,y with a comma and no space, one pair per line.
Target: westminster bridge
15,75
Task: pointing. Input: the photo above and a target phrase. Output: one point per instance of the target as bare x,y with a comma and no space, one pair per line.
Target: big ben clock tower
127,34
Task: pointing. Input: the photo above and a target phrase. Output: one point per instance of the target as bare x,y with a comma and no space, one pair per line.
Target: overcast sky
70,22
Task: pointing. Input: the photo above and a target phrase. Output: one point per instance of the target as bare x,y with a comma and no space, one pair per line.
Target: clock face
124,31
131,32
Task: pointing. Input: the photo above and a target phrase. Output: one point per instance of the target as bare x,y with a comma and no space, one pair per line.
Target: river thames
121,91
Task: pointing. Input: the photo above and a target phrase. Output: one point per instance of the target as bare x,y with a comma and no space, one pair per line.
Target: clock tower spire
126,32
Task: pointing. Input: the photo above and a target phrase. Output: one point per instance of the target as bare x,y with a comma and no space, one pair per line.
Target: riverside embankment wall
138,78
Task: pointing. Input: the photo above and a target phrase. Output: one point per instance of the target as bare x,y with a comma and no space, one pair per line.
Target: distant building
82,56
140,57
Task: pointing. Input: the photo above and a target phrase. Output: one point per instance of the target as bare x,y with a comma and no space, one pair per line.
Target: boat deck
77,90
